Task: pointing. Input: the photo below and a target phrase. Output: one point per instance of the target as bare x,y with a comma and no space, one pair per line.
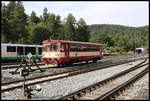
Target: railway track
120,56
6,86
110,87
7,74
3,64
15,65
12,66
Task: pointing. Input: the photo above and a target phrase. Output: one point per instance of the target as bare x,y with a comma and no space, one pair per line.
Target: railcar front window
46,47
51,47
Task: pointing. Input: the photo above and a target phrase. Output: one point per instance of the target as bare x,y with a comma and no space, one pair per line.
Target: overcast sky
133,13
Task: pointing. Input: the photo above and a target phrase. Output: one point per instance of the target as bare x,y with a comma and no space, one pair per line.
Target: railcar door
67,51
101,50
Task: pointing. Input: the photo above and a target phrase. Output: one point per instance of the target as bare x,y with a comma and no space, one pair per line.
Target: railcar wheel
60,65
94,60
66,64
87,62
69,64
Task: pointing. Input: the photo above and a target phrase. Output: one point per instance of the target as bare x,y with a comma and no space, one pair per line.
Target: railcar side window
11,49
30,49
94,48
90,48
78,48
97,48
84,48
62,48
72,48
40,50
19,50
66,47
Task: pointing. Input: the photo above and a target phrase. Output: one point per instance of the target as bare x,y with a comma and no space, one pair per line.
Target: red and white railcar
62,53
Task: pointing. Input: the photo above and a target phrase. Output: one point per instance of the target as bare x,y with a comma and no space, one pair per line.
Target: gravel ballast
67,85
136,89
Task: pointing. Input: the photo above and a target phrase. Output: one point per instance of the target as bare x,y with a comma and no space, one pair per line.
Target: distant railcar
62,53
15,52
140,50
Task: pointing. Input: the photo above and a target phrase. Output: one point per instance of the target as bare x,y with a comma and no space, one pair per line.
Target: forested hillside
18,27
118,37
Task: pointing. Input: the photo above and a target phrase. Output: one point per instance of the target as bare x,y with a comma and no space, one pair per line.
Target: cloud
112,12
131,14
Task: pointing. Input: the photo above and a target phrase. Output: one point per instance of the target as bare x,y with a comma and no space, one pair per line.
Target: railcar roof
139,48
80,42
65,41
8,44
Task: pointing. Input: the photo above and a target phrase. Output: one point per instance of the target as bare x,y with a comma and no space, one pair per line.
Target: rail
31,81
76,95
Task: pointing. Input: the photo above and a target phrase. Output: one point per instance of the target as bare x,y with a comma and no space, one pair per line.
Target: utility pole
135,46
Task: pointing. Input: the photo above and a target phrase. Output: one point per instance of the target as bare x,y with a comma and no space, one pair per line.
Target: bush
116,49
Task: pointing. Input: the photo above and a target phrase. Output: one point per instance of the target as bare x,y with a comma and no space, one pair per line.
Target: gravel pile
67,85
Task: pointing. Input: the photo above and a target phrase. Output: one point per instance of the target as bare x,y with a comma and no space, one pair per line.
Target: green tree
17,24
38,34
93,40
4,24
93,37
107,39
10,8
58,27
45,15
124,42
69,27
34,18
82,31
54,25
51,24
